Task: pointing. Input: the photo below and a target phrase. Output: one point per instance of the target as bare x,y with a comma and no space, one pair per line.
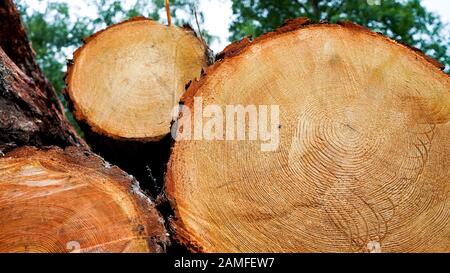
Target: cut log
124,83
363,157
70,200
27,115
126,79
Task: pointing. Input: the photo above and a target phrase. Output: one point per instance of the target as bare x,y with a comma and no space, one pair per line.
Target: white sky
218,15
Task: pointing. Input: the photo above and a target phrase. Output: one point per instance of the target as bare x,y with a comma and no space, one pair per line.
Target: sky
218,15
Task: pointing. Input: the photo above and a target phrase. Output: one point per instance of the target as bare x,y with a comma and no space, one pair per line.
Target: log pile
123,85
311,138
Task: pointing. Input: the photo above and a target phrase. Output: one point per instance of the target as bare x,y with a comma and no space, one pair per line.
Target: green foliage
404,20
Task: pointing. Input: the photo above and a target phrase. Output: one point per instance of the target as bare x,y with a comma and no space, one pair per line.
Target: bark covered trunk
30,112
15,43
27,115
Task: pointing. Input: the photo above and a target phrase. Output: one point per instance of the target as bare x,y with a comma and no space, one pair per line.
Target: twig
150,175
196,21
169,18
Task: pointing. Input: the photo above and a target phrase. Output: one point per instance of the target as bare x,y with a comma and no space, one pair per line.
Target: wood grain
126,79
363,161
57,200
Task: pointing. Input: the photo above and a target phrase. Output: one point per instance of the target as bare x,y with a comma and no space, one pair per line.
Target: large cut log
362,161
55,200
27,115
124,83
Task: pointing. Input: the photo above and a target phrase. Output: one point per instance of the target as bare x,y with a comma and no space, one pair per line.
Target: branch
169,18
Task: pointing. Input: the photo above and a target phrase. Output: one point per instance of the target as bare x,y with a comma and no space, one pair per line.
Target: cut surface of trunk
55,200
28,116
363,157
126,79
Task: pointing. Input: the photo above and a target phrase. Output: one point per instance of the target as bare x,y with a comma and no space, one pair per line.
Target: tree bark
30,112
15,43
123,85
27,115
361,163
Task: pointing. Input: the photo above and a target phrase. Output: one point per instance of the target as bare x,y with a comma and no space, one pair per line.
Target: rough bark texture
54,200
27,115
15,43
362,161
30,112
